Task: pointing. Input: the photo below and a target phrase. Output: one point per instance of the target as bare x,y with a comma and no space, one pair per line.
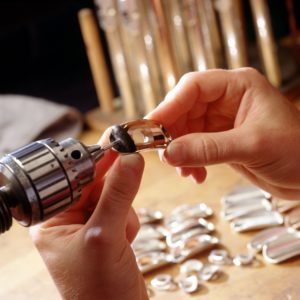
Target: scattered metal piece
147,216
241,194
152,260
285,246
259,205
142,246
257,221
191,224
263,237
283,205
163,282
243,259
191,266
197,210
189,284
219,257
209,272
192,246
175,240
293,218
148,232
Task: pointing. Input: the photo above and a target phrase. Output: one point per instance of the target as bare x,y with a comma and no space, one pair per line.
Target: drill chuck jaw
44,178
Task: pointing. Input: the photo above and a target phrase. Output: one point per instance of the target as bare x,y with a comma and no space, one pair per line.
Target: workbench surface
24,276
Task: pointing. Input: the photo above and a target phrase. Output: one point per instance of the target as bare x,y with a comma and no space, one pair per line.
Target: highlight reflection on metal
189,284
285,246
241,260
139,135
231,19
265,37
109,22
211,32
219,257
195,35
133,22
163,282
161,35
178,36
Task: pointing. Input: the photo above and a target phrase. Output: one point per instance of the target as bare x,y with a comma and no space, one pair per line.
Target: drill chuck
44,178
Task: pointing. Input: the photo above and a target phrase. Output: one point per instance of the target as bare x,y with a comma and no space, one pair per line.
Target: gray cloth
24,119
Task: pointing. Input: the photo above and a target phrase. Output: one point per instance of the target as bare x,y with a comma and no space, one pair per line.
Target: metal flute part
109,21
43,178
133,23
266,40
195,35
231,19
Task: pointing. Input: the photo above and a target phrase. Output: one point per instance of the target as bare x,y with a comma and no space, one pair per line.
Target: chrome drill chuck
43,178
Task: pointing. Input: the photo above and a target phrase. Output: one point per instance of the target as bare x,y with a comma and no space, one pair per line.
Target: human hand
233,117
87,247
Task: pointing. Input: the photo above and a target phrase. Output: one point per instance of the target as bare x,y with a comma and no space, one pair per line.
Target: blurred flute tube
109,22
195,35
95,54
266,41
132,23
158,22
231,19
178,35
211,34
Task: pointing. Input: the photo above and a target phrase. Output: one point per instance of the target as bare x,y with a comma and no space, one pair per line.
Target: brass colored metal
178,36
195,35
266,40
231,19
157,16
109,22
139,135
132,22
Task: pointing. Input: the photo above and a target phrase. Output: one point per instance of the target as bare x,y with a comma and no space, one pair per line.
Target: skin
217,116
87,248
233,117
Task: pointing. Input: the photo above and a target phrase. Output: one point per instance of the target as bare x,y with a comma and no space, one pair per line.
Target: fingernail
174,153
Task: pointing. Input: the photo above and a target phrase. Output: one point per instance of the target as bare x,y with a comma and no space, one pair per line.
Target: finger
197,174
205,87
92,191
120,188
133,225
201,149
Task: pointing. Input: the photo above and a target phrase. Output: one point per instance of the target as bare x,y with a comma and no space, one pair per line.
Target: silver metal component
175,240
152,260
255,205
143,246
45,177
257,221
243,259
191,266
241,194
163,282
147,216
265,236
189,224
219,257
191,247
209,272
148,231
189,284
285,246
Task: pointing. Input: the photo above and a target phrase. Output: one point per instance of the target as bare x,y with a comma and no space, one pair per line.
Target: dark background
42,52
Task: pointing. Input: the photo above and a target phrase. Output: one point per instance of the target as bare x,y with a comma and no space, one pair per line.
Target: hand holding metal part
45,177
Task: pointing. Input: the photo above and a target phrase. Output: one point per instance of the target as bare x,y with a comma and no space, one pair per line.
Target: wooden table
23,275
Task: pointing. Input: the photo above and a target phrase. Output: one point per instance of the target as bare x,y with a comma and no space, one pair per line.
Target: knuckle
209,151
94,237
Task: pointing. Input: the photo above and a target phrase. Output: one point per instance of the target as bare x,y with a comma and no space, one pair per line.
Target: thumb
119,190
201,149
